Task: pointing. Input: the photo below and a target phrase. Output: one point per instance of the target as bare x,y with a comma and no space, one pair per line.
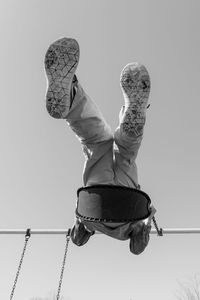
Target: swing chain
27,236
159,230
68,236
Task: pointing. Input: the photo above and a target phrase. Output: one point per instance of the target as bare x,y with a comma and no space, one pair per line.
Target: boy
110,158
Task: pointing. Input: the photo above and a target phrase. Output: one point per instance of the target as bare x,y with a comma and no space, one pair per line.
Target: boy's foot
61,61
139,238
135,85
79,234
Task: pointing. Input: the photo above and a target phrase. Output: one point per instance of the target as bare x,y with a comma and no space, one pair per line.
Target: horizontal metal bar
65,231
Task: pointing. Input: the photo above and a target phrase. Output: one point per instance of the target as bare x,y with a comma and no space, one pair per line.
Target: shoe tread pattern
135,85
61,61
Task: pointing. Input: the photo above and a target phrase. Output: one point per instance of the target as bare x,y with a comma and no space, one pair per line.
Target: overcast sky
41,160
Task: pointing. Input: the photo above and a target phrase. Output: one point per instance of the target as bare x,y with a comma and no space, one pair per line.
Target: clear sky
41,160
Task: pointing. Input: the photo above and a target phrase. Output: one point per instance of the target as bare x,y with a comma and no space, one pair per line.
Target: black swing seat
110,203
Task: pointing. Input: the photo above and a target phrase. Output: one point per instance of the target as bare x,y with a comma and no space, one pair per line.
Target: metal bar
65,231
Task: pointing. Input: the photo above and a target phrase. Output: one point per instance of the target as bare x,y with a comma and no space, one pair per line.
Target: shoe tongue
73,88
74,79
72,94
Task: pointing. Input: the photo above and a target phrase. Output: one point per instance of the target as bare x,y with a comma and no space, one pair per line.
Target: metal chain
27,236
68,236
159,231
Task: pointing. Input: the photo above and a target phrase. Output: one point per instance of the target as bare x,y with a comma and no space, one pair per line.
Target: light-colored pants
110,158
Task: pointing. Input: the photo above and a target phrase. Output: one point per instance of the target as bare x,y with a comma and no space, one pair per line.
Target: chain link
159,231
27,236
68,236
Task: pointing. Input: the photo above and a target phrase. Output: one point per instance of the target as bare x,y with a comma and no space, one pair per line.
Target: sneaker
139,238
79,234
135,85
61,61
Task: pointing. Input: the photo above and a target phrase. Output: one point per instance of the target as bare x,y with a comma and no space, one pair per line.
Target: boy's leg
66,99
135,85
86,120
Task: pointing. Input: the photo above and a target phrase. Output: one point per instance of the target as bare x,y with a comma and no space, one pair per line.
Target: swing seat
110,204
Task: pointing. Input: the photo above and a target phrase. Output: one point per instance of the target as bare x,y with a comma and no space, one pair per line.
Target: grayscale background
41,160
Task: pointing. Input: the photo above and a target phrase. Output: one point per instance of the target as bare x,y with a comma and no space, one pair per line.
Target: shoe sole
61,61
135,85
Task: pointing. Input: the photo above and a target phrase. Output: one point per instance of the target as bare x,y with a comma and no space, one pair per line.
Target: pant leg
125,153
125,170
86,120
